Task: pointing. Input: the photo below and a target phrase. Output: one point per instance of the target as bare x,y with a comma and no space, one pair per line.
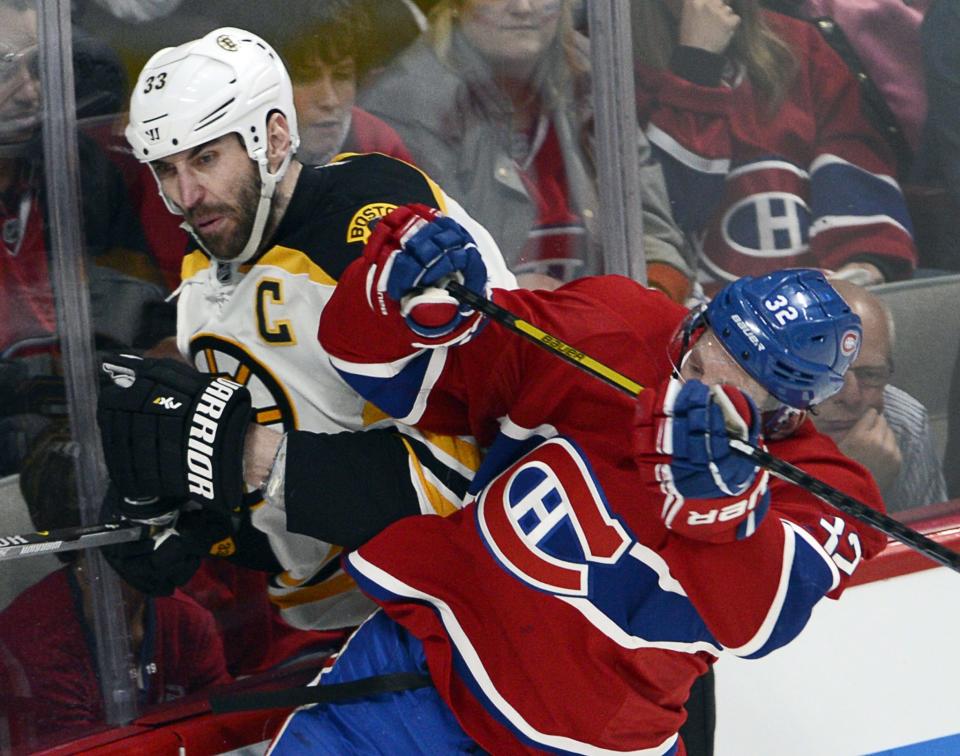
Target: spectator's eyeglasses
873,376
15,61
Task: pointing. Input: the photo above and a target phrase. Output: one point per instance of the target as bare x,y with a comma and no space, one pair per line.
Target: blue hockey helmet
790,330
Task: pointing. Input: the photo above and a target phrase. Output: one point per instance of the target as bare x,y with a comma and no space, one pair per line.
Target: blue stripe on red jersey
694,183
840,189
810,577
510,444
400,389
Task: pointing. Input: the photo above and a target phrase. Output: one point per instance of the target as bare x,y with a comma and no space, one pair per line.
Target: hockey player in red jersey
616,546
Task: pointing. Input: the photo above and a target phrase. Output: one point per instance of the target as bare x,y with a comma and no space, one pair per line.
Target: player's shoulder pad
329,218
375,176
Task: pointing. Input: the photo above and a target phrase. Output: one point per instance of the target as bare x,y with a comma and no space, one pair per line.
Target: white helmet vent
216,115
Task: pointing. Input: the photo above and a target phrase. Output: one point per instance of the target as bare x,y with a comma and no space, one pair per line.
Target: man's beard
229,245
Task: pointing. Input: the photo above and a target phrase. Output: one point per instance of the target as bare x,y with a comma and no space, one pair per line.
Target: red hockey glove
710,492
415,250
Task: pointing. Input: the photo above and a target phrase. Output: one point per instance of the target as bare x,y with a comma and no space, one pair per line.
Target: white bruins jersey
257,324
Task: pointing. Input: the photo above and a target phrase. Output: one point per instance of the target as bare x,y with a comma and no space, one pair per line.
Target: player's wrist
275,482
259,454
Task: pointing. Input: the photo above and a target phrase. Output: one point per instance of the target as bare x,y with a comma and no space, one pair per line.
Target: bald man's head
869,307
864,383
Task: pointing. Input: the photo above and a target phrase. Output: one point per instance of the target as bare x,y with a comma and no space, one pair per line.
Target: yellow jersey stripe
266,416
193,263
462,454
340,583
440,504
296,263
434,187
372,414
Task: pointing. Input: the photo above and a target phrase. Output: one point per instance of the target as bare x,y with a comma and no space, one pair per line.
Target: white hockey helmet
228,81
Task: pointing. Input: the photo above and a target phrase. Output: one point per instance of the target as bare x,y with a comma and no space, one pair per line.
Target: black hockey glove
170,432
170,557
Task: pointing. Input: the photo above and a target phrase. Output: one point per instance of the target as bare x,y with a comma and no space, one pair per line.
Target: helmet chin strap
268,187
781,421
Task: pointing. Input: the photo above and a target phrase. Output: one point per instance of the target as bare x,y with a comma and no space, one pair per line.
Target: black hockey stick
781,468
314,694
70,539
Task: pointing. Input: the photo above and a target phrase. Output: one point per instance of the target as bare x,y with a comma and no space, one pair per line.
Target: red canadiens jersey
370,134
47,655
557,243
556,611
27,315
813,185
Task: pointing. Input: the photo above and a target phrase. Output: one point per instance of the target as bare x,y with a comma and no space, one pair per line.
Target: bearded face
224,225
216,187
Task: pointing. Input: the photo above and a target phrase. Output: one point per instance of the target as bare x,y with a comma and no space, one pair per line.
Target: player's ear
278,139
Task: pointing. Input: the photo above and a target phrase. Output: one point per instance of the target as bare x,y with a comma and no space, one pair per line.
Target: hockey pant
413,721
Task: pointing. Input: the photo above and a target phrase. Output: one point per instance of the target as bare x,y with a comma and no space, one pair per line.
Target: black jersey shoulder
331,209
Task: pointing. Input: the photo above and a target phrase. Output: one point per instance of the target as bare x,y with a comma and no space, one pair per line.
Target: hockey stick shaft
70,539
551,343
781,468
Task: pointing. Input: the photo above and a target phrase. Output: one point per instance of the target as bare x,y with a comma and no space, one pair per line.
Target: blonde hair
769,62
443,18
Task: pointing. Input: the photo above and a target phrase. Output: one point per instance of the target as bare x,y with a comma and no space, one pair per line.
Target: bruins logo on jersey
358,230
271,405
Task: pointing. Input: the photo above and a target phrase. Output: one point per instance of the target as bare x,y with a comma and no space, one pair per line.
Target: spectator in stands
45,634
768,157
877,424
111,231
392,26
325,61
113,236
880,41
493,102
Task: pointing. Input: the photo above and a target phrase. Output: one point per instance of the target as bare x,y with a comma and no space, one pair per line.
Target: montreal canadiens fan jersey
811,185
258,324
557,612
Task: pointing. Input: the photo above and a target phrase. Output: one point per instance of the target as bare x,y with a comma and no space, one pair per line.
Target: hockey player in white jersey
214,119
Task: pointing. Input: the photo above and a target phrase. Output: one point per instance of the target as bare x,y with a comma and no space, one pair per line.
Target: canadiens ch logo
771,224
546,520
358,230
850,343
767,219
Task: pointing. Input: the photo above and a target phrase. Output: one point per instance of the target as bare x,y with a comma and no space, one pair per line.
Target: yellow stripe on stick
575,355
